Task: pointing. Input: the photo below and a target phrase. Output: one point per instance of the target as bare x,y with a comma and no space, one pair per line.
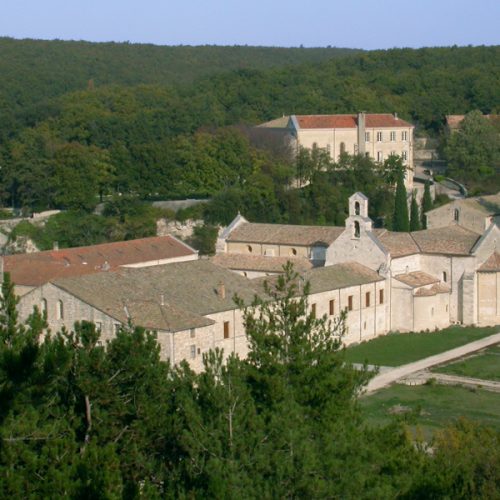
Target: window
43,306
192,333
393,136
456,215
379,136
315,145
249,248
432,311
446,307
367,299
329,149
332,307
350,302
381,296
393,153
445,277
193,351
342,148
293,251
356,229
404,155
117,327
313,309
98,326
226,329
356,208
404,136
367,136
60,309
380,156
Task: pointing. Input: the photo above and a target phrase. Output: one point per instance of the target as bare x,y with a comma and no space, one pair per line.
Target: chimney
221,290
361,132
55,245
396,116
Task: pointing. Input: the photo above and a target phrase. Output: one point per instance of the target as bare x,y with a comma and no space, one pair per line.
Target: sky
366,24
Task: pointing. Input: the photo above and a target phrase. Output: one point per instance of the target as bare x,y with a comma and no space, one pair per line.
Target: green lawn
435,405
485,366
397,349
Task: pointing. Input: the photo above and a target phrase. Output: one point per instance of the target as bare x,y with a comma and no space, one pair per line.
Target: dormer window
356,229
356,208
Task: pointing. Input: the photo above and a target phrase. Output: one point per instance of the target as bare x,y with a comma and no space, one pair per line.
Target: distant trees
473,152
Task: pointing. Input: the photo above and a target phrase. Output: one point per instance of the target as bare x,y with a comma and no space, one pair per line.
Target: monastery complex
385,281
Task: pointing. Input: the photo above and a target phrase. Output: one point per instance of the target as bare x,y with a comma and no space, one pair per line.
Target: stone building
191,304
28,271
475,214
374,135
433,277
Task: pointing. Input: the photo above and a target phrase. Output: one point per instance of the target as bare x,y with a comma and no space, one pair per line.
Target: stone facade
374,135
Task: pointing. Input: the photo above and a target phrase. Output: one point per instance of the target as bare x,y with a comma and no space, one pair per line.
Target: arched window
60,309
342,148
445,277
43,306
356,229
456,215
249,248
293,251
356,208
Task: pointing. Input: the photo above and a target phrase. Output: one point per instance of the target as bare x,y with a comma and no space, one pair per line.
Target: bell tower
358,221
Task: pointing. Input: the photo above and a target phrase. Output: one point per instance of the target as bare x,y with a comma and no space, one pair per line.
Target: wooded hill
159,140
33,71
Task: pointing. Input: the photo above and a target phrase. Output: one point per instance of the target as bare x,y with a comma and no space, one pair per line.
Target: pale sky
367,24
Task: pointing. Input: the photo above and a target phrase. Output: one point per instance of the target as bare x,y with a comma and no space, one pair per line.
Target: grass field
397,349
485,366
435,405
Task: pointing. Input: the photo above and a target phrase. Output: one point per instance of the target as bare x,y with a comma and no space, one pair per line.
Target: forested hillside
173,141
33,71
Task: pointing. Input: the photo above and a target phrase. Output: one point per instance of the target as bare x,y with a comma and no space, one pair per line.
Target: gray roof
285,234
259,263
188,291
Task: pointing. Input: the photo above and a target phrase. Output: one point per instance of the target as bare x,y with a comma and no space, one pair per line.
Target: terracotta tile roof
492,264
451,240
188,291
416,279
34,269
243,262
283,234
350,121
453,121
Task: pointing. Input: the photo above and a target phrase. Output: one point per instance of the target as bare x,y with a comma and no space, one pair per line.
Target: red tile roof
350,121
34,269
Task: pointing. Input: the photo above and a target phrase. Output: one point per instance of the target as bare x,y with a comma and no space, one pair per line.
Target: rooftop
416,279
350,121
260,263
35,269
284,234
492,264
168,297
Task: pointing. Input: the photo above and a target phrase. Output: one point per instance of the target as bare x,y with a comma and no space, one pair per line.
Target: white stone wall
488,285
431,312
467,217
255,248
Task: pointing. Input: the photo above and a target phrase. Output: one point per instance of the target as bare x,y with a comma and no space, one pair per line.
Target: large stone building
475,213
374,135
385,281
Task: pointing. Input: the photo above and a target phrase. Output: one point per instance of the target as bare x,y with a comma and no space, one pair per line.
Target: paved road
384,379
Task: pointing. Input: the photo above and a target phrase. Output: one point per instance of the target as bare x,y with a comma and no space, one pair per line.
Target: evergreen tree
426,203
400,221
414,214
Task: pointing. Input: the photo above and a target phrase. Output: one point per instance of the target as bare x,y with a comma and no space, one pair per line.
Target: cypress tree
400,221
426,203
414,214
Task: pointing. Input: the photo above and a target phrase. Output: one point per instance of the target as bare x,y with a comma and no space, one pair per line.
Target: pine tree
426,203
414,214
400,221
